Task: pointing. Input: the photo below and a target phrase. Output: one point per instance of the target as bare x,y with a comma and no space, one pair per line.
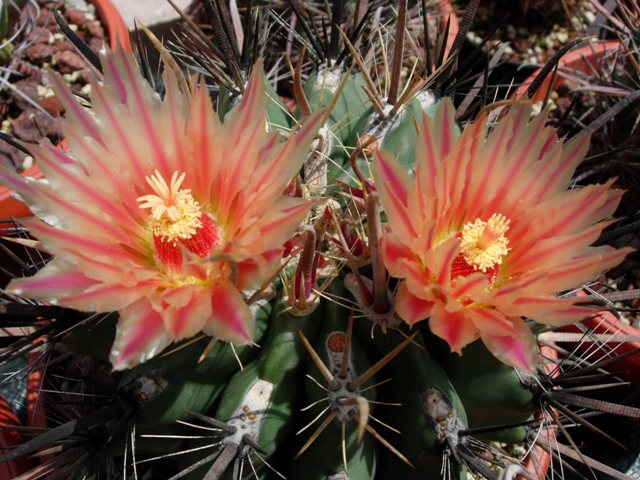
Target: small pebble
68,61
76,17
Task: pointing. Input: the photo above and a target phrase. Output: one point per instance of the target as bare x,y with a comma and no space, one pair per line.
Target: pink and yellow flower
161,212
486,233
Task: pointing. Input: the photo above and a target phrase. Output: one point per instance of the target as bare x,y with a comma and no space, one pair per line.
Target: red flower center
177,221
461,268
483,245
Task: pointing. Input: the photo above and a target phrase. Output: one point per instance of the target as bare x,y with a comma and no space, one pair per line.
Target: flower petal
439,260
281,161
104,297
519,350
79,188
576,211
473,286
547,253
394,184
184,310
74,112
274,228
15,182
491,321
140,335
453,327
78,243
396,254
231,319
573,152
552,310
577,271
46,285
410,308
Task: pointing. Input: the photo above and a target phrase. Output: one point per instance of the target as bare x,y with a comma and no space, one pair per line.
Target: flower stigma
483,244
175,214
176,217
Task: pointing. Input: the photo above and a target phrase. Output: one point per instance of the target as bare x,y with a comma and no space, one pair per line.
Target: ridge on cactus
486,233
161,212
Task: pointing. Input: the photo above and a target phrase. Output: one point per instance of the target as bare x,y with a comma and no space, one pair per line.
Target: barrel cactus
348,289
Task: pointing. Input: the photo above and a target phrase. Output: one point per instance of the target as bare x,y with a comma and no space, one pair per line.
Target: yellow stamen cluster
483,244
175,214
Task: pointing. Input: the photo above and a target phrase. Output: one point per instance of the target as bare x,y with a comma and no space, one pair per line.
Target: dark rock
46,18
41,34
85,76
4,108
76,17
563,89
68,61
81,34
31,125
563,103
39,53
28,70
10,157
96,43
95,29
52,105
61,46
27,88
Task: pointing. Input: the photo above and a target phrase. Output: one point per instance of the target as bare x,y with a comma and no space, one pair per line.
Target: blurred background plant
16,23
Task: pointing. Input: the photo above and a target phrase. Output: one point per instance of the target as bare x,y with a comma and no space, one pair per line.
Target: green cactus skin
400,137
325,453
325,456
348,118
412,371
278,117
351,111
490,390
193,386
262,399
